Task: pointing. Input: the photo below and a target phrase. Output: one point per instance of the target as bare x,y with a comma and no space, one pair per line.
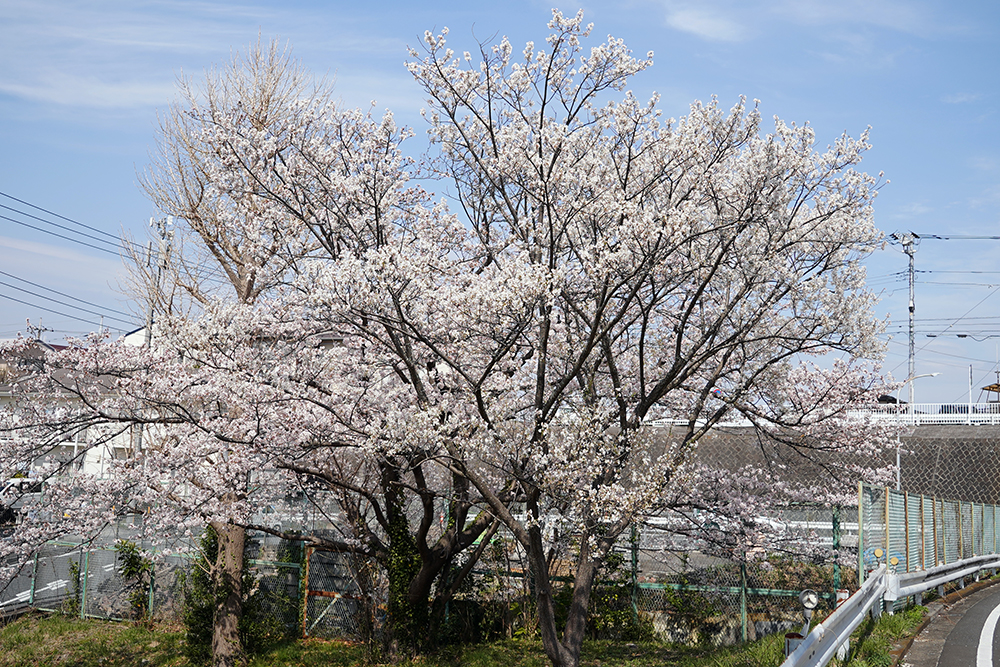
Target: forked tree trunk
564,652
228,589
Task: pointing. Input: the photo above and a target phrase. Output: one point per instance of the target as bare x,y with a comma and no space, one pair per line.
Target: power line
68,296
951,271
63,227
61,217
63,303
118,243
948,354
46,231
945,330
937,282
956,237
55,312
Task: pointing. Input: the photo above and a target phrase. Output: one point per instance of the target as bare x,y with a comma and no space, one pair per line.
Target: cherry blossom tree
677,268
600,272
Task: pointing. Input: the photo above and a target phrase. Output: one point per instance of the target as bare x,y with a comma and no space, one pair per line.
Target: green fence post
634,539
85,557
861,533
743,601
152,588
836,549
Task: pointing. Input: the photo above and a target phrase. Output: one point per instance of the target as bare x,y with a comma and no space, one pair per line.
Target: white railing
936,413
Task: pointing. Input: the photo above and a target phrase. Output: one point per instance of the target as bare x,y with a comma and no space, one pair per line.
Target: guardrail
882,585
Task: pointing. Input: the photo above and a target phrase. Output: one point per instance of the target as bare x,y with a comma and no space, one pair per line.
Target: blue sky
81,83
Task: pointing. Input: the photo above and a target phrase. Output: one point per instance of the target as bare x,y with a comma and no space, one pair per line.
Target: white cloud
60,262
95,279
707,24
120,54
912,209
984,163
961,98
989,198
846,21
909,17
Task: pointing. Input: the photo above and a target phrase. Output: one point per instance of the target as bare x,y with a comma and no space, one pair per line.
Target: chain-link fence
651,587
689,596
86,579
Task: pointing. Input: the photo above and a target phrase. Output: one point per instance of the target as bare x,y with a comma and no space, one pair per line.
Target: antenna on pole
35,332
166,233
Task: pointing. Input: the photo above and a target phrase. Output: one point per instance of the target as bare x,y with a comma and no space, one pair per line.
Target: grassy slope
59,641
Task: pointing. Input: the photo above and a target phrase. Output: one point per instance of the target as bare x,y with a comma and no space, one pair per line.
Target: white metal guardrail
821,645
911,583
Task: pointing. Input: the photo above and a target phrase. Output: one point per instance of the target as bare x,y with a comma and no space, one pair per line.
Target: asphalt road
963,634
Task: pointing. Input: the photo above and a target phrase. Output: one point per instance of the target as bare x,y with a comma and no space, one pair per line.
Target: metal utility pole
909,247
166,229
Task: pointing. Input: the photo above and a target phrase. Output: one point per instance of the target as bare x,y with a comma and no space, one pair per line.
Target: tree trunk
583,583
406,621
554,649
564,653
228,584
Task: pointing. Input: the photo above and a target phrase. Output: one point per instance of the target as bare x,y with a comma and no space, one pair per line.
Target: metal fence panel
929,548
58,577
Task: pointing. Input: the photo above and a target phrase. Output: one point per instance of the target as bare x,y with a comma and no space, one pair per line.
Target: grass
66,641
61,641
872,642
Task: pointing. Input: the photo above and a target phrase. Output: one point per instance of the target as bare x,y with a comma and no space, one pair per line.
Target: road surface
962,634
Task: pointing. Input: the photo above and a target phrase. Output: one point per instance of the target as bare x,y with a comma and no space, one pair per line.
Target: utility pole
36,332
166,230
909,246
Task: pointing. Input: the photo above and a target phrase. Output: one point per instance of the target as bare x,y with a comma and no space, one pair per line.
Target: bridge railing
935,413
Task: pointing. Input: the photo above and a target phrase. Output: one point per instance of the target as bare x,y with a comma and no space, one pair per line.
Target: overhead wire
63,294
47,231
56,312
61,217
63,303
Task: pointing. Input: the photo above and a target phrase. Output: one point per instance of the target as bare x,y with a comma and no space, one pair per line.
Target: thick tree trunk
576,621
406,621
228,580
565,652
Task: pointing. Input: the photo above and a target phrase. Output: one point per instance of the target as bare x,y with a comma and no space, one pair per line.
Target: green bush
137,572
